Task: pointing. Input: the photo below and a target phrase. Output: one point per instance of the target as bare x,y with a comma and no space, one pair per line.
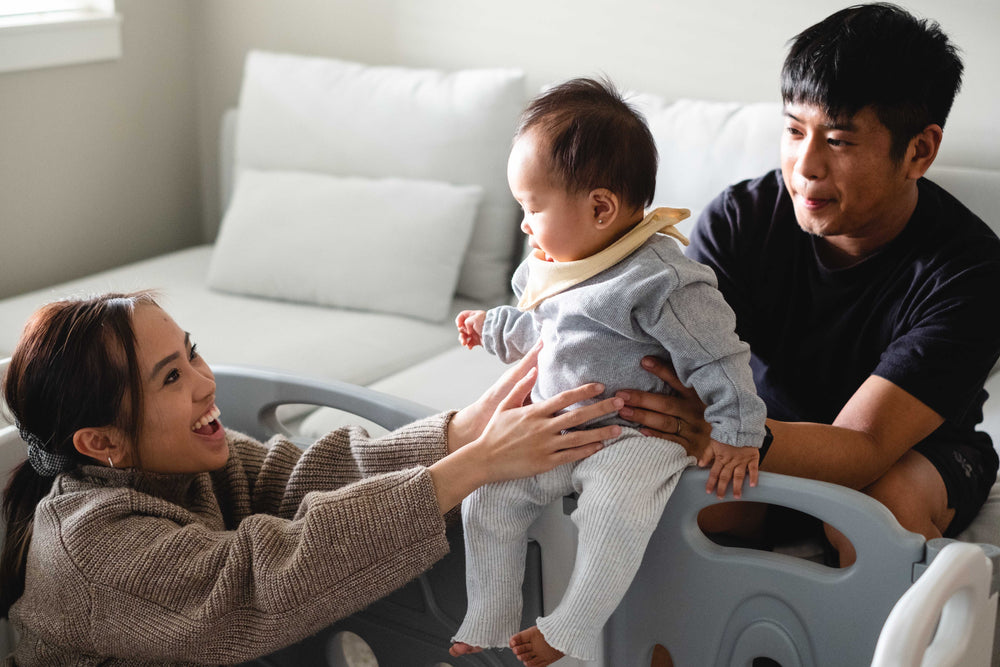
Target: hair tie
44,462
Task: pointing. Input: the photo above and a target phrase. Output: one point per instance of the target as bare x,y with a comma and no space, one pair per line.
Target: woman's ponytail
73,367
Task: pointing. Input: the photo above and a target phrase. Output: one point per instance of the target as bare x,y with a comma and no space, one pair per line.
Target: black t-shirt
923,312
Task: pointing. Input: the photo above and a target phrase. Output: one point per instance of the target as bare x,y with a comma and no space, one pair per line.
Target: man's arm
877,426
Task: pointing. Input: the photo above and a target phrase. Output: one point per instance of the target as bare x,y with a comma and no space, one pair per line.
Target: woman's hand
523,440
679,417
500,437
468,423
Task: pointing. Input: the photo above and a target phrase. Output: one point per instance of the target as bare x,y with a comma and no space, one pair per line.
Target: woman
141,531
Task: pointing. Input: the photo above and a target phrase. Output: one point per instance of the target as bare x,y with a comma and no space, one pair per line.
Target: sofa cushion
388,245
336,343
316,114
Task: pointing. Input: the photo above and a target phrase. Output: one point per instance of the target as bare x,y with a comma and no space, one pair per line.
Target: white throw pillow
347,119
389,245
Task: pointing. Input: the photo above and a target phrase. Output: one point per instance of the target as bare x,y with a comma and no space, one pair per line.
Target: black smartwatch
766,445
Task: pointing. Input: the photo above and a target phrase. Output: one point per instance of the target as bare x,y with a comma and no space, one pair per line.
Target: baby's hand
470,327
731,464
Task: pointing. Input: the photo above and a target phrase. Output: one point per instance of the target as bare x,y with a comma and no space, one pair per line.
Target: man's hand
470,327
730,464
679,417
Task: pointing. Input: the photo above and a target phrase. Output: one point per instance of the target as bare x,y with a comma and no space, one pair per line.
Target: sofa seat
350,345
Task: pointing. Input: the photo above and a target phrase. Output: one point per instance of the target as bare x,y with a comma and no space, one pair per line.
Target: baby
604,287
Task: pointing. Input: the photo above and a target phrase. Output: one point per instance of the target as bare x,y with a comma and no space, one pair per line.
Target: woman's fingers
580,416
572,440
518,371
576,452
563,400
520,391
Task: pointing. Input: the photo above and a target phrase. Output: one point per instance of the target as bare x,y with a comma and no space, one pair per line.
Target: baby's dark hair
595,139
875,55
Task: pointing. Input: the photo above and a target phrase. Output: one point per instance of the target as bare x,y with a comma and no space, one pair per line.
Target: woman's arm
499,437
198,593
496,438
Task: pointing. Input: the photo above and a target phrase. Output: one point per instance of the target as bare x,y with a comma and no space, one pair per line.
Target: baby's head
583,168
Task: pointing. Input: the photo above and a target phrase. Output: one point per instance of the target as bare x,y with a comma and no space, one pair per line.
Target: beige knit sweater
130,568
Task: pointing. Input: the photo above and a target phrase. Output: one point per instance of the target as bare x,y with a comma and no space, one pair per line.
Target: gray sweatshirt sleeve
698,328
509,333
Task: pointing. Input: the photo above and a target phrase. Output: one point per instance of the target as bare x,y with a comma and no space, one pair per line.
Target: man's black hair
875,55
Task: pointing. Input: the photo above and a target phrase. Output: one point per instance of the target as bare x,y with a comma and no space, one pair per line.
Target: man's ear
103,444
922,150
606,207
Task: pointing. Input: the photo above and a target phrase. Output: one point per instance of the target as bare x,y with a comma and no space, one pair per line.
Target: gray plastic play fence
706,604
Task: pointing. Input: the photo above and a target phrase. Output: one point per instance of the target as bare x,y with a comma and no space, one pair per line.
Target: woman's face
180,433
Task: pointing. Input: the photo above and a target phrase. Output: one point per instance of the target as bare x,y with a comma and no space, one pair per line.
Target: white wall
99,162
715,49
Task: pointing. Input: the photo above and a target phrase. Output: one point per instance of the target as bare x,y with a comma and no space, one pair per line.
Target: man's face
845,187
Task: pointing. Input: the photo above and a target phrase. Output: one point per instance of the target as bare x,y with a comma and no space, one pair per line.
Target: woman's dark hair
596,140
875,55
73,367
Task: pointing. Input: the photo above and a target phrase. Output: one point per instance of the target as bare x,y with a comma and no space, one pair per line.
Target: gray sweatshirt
654,302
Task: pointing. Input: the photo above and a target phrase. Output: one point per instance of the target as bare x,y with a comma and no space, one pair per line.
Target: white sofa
323,143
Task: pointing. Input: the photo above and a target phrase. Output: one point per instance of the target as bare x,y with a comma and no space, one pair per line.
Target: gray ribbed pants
623,489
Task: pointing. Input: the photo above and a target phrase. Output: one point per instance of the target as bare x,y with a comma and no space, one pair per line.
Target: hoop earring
110,462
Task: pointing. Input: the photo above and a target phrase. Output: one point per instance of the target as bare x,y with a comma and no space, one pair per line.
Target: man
867,293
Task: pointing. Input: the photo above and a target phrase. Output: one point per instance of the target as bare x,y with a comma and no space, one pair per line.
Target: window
49,33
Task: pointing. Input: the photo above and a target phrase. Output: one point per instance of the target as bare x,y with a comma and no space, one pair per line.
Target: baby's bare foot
530,647
461,648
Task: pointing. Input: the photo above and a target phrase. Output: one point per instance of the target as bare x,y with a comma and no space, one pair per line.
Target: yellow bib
547,279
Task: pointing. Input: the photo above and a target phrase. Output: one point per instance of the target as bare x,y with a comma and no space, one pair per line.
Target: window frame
87,31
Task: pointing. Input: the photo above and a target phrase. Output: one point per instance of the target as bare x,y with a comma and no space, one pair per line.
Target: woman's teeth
208,418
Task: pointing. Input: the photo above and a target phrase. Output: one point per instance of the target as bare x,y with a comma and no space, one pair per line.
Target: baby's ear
606,207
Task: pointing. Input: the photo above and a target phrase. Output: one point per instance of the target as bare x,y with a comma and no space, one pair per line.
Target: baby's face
558,223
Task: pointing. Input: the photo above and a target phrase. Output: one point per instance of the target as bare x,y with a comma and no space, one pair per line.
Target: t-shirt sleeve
715,242
951,343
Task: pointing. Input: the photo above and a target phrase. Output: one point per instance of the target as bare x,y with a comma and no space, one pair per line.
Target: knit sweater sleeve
152,579
344,456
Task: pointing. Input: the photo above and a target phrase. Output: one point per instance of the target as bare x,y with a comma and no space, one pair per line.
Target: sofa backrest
705,146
